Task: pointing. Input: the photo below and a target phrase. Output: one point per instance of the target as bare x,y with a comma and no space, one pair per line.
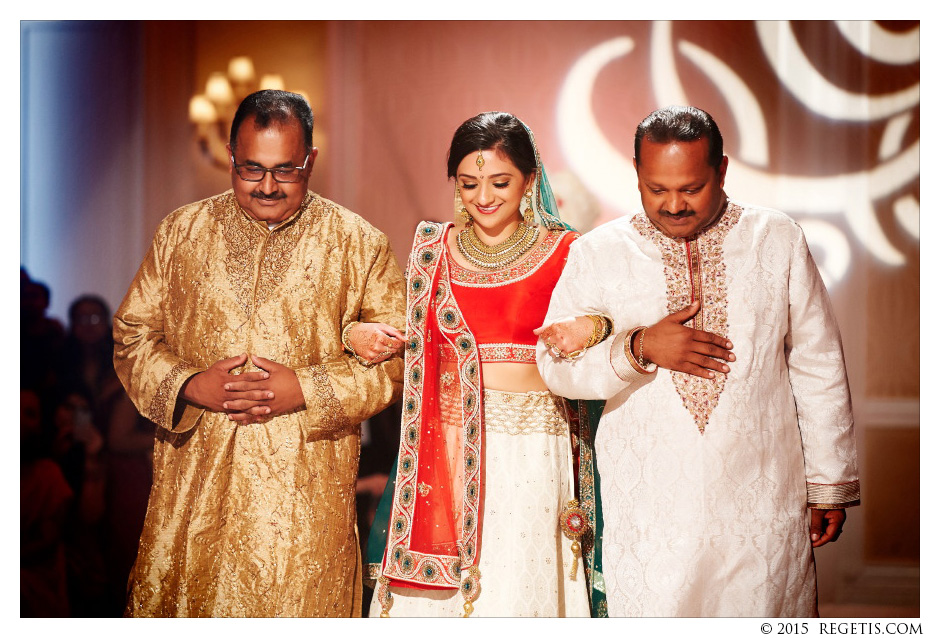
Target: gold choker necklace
500,255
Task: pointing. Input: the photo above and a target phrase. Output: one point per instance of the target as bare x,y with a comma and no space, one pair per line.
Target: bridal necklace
499,255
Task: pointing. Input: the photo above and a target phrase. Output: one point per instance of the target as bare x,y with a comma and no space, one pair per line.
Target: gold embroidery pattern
695,279
325,399
696,269
245,238
447,379
157,412
495,353
520,413
283,241
513,352
242,239
534,261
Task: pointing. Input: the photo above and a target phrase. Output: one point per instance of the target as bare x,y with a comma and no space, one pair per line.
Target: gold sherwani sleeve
341,391
152,373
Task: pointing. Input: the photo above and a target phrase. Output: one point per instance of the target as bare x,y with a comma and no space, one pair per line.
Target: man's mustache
688,212
273,196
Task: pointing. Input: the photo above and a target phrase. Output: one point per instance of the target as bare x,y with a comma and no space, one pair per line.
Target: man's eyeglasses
283,174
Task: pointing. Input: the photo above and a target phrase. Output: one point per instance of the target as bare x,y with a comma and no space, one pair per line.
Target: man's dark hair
270,107
494,130
680,124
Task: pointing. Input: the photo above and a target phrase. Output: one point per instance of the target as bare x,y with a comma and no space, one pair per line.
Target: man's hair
494,130
680,124
270,107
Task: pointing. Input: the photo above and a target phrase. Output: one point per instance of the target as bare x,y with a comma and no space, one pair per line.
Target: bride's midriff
512,377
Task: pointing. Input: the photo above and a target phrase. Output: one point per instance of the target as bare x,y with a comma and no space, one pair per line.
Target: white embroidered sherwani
260,519
705,483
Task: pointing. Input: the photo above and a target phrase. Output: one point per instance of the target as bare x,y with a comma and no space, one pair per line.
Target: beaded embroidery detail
247,246
496,353
695,269
521,413
157,411
325,398
401,562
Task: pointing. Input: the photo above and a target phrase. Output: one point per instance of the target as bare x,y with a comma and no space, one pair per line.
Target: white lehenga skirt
525,559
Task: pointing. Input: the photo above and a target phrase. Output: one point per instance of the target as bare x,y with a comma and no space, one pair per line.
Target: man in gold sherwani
229,339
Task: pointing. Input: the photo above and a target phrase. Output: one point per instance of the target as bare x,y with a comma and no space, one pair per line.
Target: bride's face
492,191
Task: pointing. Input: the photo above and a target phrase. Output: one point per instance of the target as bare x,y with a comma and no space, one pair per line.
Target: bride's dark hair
494,130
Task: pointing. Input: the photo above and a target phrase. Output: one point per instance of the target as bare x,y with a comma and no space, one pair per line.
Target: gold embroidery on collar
248,243
696,268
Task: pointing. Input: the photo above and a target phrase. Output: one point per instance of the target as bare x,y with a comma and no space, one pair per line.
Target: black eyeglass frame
273,171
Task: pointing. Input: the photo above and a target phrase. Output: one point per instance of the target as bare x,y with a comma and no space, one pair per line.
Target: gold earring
528,217
464,216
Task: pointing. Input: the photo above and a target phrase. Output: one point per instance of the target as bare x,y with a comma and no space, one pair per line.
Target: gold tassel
576,550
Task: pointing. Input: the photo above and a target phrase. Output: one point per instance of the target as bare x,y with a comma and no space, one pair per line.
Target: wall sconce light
212,111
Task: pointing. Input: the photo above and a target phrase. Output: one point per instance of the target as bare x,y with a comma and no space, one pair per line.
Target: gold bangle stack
344,338
602,330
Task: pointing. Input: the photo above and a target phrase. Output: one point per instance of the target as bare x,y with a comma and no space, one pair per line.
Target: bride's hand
375,342
567,336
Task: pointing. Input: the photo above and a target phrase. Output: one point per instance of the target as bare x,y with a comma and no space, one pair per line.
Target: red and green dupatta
434,520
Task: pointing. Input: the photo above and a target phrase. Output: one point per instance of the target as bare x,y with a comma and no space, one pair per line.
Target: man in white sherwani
726,451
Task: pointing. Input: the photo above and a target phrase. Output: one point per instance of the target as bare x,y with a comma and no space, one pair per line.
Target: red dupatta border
425,548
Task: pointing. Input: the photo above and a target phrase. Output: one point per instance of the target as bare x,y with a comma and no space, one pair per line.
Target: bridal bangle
602,330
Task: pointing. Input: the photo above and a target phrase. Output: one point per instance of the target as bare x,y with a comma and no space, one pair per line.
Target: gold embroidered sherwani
706,483
260,519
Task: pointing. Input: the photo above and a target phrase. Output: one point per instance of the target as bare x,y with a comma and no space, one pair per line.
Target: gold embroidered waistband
496,353
524,413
